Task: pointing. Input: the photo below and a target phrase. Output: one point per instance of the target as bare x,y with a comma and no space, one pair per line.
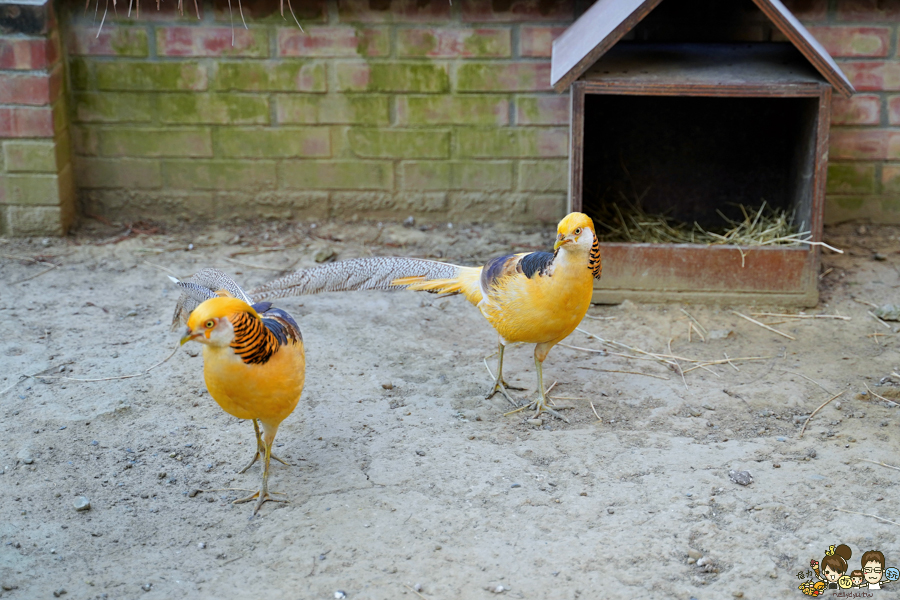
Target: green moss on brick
372,42
482,175
112,107
528,109
63,150
220,174
392,77
150,76
79,73
890,179
148,142
129,41
284,76
336,175
495,44
337,110
294,142
419,78
466,110
850,202
33,189
399,143
475,76
503,77
225,109
544,175
420,45
130,173
844,178
29,156
85,140
525,142
61,114
425,175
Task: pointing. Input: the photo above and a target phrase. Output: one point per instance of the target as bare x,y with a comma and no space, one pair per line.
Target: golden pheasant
253,359
537,298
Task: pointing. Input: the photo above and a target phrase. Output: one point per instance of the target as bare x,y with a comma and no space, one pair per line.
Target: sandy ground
427,490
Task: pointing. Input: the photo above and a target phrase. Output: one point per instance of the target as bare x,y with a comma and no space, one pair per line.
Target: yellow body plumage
268,392
540,309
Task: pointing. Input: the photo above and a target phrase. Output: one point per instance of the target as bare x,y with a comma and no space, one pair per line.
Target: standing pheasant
537,298
253,359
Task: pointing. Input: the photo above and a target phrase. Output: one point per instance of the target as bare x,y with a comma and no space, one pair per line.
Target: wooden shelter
685,104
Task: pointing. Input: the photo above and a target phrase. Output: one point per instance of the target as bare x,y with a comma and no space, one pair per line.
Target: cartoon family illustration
832,574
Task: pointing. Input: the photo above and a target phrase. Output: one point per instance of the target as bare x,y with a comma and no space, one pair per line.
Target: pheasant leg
540,404
499,384
260,450
262,496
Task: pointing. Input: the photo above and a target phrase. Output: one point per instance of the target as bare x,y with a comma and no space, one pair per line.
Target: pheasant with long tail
253,359
537,298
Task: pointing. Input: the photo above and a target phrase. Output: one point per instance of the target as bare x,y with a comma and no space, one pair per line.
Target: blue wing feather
279,322
494,269
536,262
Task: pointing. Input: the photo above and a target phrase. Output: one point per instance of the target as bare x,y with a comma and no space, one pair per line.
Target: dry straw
764,226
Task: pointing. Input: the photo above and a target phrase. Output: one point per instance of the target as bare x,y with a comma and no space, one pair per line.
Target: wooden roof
604,24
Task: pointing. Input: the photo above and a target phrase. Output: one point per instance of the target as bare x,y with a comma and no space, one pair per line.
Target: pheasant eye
578,231
210,324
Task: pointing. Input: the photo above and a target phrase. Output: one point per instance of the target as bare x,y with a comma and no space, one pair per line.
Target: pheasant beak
188,335
560,240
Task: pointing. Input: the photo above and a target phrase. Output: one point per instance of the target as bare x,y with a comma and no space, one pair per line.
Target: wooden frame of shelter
795,77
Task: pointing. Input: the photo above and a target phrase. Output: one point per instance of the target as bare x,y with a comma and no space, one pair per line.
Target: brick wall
37,193
864,157
378,108
381,108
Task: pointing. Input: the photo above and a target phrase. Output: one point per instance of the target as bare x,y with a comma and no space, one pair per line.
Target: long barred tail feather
377,273
203,285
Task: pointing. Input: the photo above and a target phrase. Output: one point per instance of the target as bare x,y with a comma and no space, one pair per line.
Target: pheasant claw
263,498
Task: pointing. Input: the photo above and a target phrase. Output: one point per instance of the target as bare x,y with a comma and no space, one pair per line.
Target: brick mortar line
32,72
454,25
364,59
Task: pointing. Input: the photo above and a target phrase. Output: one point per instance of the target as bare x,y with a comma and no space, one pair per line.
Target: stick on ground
765,314
821,406
144,372
877,318
30,277
625,372
867,515
880,397
703,331
875,462
591,350
415,592
764,326
808,379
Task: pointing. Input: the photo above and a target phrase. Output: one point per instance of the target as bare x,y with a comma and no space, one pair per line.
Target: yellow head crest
216,308
571,227
573,221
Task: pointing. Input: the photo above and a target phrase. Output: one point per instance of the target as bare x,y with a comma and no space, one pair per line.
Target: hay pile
760,227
